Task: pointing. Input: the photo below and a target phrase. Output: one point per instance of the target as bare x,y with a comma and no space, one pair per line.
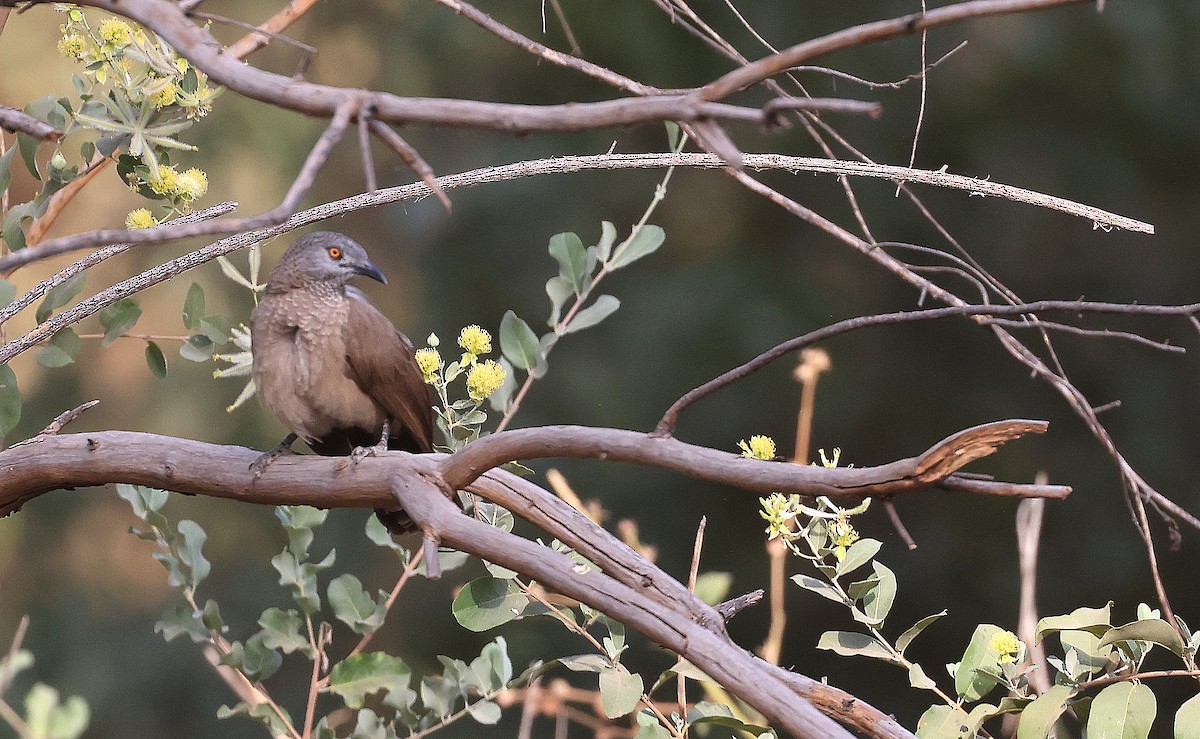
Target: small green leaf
943,722
264,713
1039,717
620,691
1153,630
193,307
1094,620
354,678
673,132
8,293
215,328
608,237
182,620
913,631
878,602
29,146
603,307
558,290
643,243
820,587
852,643
975,677
118,318
47,718
281,630
519,343
567,249
859,553
253,659
918,679
155,360
60,350
713,587
198,348
1123,710
484,712
192,551
1187,719
488,602
14,222
60,295
10,400
353,606
5,172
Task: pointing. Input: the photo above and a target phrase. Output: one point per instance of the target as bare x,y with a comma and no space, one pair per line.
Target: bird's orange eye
335,252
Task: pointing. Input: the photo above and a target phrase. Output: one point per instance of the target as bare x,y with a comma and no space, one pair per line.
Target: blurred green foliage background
1101,108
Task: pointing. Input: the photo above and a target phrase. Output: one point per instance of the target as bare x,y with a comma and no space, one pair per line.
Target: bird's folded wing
382,363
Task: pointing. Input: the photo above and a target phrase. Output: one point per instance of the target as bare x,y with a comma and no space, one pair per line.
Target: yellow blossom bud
166,181
429,362
842,534
140,218
72,46
1006,645
778,511
115,32
192,184
484,379
165,96
759,447
475,340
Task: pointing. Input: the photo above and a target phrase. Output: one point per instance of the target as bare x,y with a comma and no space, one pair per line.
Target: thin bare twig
18,121
270,28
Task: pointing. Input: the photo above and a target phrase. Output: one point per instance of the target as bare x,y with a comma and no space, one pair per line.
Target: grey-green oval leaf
567,249
155,360
193,306
1039,717
119,318
602,308
60,295
10,400
518,342
1122,711
8,291
488,602
1187,719
851,643
620,691
859,553
1153,630
644,243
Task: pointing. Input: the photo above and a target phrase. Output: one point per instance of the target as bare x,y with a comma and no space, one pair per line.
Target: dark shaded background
1099,108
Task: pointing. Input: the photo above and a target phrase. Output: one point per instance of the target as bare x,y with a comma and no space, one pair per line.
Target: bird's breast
300,366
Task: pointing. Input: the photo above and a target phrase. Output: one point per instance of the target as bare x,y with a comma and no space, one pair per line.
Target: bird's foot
260,465
362,452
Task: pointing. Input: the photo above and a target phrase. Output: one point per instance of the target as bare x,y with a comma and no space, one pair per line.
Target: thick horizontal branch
47,463
203,50
903,476
17,121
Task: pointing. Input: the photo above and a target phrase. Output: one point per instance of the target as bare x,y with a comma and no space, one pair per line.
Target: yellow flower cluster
140,218
759,447
72,46
779,510
429,362
1006,645
188,186
841,534
474,341
165,96
484,379
116,32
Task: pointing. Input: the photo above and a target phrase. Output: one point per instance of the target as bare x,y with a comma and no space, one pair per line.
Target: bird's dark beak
368,269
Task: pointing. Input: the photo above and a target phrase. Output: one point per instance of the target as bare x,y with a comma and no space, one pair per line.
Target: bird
330,366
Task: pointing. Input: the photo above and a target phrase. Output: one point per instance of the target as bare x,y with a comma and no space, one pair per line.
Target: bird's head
324,256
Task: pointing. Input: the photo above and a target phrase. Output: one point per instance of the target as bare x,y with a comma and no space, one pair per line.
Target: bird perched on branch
330,366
